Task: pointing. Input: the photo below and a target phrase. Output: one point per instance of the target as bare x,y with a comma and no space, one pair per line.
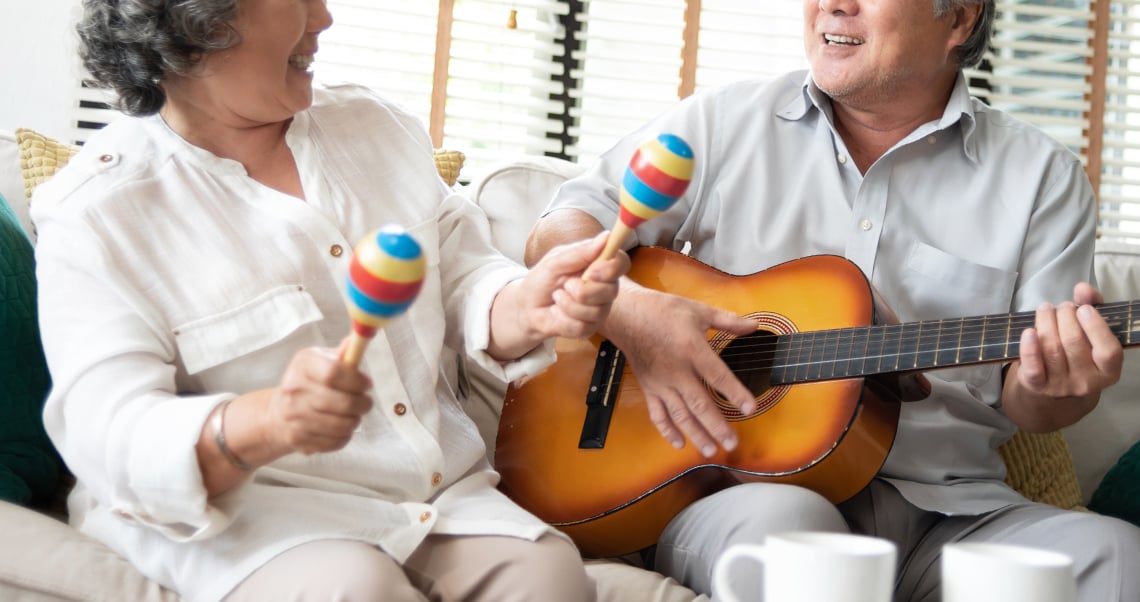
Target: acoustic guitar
576,447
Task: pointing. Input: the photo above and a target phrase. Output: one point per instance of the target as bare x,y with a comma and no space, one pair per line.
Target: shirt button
436,479
931,140
400,409
106,158
425,517
336,250
865,225
842,159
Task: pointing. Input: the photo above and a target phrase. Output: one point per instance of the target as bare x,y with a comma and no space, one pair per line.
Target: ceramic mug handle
721,587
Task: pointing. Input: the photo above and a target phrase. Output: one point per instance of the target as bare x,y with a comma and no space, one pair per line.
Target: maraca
657,176
384,278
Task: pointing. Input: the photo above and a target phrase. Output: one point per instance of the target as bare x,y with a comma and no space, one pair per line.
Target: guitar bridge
602,396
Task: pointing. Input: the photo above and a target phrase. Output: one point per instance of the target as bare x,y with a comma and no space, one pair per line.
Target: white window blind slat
506,87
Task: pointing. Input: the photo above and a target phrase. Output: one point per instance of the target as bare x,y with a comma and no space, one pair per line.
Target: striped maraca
657,176
384,278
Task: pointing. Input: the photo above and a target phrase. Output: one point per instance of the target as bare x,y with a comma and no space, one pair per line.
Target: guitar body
830,436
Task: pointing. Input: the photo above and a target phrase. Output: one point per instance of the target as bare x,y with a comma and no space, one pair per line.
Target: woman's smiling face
265,78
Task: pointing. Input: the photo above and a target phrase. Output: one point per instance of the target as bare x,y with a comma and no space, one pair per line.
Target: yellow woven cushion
1040,467
41,157
448,163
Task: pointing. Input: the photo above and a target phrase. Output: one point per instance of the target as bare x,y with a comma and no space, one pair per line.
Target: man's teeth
301,61
835,39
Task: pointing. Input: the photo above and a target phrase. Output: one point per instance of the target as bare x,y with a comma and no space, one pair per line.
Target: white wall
39,65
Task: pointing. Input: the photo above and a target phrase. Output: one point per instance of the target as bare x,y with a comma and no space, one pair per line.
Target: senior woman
191,260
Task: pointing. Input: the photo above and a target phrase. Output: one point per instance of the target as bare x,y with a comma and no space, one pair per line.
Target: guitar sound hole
750,358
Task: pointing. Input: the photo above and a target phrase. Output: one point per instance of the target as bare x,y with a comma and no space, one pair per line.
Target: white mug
994,572
813,567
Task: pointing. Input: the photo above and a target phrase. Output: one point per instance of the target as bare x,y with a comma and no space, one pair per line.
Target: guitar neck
915,346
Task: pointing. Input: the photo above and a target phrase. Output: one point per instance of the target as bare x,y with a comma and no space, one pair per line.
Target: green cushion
1119,492
29,465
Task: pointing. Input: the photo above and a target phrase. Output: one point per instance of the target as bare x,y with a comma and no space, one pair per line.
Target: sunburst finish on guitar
576,446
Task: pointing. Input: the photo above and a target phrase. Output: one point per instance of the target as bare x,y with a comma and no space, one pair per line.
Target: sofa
42,558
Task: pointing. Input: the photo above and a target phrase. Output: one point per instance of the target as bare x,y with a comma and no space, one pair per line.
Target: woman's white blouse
171,281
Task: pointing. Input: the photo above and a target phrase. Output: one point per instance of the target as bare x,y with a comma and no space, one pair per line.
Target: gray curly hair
971,51
129,46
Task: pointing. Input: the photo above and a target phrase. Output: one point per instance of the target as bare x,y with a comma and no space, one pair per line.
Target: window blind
496,78
634,57
1120,159
1038,67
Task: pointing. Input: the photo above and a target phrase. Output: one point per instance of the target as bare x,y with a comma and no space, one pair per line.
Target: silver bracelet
219,426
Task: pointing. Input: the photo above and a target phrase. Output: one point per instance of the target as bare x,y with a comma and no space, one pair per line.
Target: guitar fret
971,338
844,348
992,335
947,354
800,373
1131,325
897,337
814,357
925,353
781,361
828,355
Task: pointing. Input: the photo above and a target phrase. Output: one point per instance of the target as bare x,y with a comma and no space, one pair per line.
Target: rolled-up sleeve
113,411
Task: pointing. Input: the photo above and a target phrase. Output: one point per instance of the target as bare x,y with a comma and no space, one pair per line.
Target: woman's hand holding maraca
317,407
319,403
566,294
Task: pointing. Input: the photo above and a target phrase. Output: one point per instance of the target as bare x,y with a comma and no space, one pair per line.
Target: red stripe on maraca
653,177
380,289
630,219
364,330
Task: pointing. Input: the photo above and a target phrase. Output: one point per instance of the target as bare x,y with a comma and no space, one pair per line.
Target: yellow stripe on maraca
367,319
374,260
636,207
667,161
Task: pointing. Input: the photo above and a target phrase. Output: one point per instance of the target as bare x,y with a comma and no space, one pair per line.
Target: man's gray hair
971,51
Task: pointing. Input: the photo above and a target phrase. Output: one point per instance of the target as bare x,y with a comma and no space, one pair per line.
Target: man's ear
965,17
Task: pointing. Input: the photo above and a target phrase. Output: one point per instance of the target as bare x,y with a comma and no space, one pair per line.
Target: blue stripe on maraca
676,145
397,243
642,193
373,307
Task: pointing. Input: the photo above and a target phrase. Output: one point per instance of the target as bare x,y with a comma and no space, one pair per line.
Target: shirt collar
959,108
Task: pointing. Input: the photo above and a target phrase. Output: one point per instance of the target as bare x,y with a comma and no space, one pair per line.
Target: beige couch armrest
44,559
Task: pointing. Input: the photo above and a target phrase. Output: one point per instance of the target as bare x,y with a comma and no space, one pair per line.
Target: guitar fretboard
881,349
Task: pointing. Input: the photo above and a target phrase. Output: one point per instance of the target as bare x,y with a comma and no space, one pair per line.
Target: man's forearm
556,228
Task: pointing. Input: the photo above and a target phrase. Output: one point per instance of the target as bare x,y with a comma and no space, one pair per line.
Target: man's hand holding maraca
567,294
674,366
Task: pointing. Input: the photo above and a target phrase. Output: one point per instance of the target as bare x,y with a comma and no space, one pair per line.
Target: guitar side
830,436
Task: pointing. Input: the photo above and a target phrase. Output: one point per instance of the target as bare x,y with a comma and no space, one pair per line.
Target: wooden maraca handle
354,349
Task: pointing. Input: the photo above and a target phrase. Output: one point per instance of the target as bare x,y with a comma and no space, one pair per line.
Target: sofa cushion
1040,467
12,180
1119,492
512,194
40,157
1100,438
44,559
29,466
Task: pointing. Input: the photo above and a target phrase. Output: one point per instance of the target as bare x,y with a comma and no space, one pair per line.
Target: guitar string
895,335
968,327
747,350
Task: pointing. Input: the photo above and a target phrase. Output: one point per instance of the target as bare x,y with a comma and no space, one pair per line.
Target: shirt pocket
256,324
948,286
945,286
